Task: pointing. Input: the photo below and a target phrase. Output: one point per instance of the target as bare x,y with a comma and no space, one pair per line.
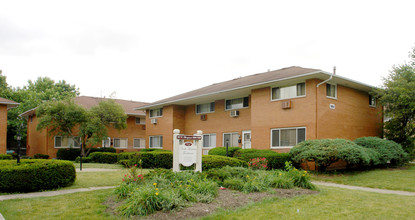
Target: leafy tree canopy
66,118
398,97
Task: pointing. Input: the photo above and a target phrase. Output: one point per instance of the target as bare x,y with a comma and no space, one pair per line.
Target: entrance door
246,140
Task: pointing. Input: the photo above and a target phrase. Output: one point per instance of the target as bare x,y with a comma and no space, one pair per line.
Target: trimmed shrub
153,149
104,157
328,151
35,175
6,157
41,156
84,160
221,151
101,149
389,152
214,161
152,159
278,160
68,153
275,160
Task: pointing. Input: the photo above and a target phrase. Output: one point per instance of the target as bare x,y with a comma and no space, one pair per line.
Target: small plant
258,163
133,176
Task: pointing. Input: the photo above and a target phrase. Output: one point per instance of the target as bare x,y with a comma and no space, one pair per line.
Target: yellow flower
303,174
247,176
157,193
280,174
157,188
154,184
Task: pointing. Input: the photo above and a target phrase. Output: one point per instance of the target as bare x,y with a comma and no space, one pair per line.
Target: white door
246,140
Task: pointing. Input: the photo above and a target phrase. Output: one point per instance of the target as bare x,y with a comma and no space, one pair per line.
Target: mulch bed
226,199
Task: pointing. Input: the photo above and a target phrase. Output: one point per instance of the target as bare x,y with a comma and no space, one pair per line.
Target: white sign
187,154
187,150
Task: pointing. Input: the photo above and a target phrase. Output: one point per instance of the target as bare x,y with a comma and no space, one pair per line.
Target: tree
398,98
65,118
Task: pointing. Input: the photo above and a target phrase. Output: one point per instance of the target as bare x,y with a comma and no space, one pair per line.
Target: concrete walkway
384,191
52,193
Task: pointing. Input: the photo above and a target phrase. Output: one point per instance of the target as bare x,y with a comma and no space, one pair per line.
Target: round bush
35,175
328,151
214,161
389,152
221,151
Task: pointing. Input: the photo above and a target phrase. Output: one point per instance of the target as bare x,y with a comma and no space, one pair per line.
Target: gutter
325,81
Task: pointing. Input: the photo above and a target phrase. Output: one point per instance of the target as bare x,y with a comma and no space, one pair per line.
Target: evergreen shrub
221,151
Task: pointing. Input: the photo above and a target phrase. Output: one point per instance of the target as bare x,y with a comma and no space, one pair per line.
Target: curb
367,189
1,217
51,193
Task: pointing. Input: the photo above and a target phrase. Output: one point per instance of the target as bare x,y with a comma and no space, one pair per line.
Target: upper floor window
331,90
205,108
140,121
156,112
288,92
372,101
237,103
67,142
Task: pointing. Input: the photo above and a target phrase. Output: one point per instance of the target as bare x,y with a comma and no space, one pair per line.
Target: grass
99,165
331,203
393,179
86,205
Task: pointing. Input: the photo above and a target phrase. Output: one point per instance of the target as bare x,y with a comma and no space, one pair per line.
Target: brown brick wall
3,129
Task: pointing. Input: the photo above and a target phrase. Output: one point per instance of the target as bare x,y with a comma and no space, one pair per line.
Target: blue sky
150,50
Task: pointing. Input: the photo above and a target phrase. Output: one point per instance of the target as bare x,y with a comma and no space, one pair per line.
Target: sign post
187,150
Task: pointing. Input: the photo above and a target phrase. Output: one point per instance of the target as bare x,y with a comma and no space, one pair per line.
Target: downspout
331,76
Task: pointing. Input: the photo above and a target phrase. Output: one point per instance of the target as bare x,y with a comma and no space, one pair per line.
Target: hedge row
275,160
6,157
35,175
364,152
73,153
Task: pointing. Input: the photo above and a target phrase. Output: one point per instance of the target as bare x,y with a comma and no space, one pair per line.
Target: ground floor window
209,140
106,142
139,143
156,142
121,142
287,137
67,142
230,139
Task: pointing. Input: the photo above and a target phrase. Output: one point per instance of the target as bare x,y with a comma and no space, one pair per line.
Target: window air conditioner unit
154,121
286,104
203,117
234,114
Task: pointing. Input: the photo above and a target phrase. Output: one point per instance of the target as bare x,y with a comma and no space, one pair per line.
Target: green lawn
99,165
394,179
331,203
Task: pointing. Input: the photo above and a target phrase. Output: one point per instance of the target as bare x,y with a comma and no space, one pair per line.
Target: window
287,137
140,121
230,139
67,142
139,143
121,142
288,92
106,142
156,112
372,101
205,108
209,140
237,103
156,141
331,90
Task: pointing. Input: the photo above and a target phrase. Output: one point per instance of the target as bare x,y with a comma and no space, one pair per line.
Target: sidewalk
52,193
383,191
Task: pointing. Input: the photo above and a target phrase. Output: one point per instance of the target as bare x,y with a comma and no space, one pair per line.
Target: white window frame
155,136
335,90
54,142
159,113
113,143
243,98
231,133
294,97
370,101
210,108
109,142
142,142
210,141
289,128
